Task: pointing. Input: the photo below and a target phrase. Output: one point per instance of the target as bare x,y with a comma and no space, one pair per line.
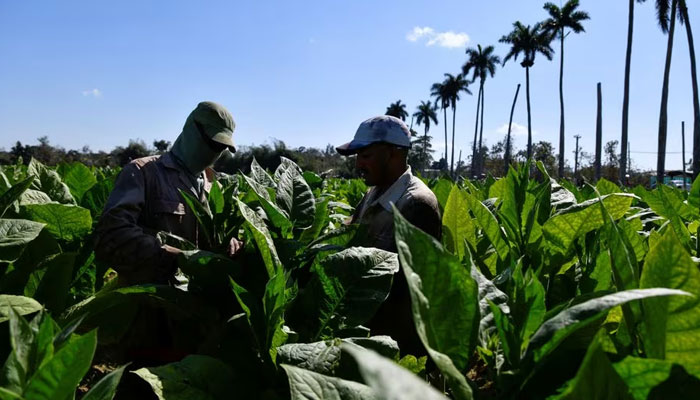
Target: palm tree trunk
561,107
663,114
481,130
529,120
507,152
454,111
444,110
626,96
696,103
475,161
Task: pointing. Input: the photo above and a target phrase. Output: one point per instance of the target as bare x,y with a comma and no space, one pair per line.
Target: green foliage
443,299
195,377
537,288
47,363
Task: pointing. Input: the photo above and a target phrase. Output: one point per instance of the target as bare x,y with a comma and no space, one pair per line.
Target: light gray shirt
412,198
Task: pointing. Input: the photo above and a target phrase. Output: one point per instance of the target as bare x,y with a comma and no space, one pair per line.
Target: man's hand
234,247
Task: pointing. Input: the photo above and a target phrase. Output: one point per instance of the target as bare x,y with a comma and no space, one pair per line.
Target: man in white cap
382,144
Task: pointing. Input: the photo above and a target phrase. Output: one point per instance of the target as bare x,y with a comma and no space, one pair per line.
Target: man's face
372,163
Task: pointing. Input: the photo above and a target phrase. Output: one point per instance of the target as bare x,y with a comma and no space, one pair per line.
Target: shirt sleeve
425,216
121,242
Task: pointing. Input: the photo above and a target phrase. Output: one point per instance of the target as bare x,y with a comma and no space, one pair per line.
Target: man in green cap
146,200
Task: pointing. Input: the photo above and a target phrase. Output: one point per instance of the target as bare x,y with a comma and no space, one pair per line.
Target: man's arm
121,242
426,216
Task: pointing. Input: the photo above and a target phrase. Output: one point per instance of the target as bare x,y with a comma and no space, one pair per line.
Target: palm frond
662,14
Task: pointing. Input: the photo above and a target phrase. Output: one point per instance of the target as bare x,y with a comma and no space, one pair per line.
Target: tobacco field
539,289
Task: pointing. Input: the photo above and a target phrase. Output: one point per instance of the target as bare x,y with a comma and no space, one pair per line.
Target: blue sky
100,73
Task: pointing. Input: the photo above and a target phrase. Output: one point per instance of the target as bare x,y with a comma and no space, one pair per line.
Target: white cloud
516,130
419,32
92,92
447,39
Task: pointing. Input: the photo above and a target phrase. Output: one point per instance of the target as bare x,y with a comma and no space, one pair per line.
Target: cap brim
225,138
352,147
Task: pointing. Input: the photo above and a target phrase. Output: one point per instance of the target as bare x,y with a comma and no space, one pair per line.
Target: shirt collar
393,193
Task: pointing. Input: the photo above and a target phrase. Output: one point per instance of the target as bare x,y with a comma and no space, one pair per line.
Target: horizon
103,74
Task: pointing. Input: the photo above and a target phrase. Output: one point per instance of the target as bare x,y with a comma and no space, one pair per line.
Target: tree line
529,41
323,161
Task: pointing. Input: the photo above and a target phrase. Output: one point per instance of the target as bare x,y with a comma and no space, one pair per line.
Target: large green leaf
595,379
553,331
642,374
78,178
260,175
444,299
347,289
604,187
22,305
113,310
527,306
13,194
488,223
49,182
106,388
390,381
457,225
60,375
64,221
96,198
33,196
202,214
258,230
320,223
276,299
19,366
216,198
54,289
294,195
308,385
15,234
278,218
694,195
324,357
566,226
672,325
195,377
442,189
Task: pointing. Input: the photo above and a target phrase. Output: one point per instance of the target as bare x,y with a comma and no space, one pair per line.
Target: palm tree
683,8
668,25
561,19
425,114
626,96
482,63
453,86
529,41
397,110
441,99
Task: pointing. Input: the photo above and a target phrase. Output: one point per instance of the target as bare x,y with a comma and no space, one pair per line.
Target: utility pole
459,161
576,159
629,159
683,141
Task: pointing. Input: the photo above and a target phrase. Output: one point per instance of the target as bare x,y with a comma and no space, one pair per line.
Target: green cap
215,122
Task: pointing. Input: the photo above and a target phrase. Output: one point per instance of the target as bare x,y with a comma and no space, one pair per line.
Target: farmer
382,144
146,200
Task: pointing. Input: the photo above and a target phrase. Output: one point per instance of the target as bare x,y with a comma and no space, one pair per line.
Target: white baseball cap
381,129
